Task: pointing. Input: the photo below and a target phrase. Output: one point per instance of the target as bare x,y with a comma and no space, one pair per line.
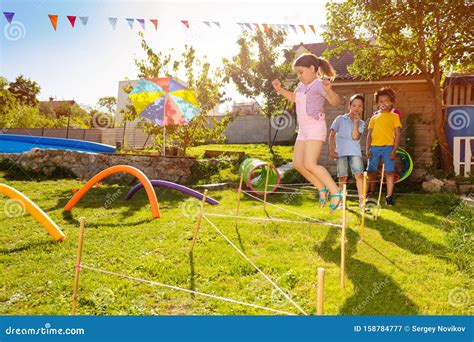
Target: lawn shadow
407,239
26,246
375,293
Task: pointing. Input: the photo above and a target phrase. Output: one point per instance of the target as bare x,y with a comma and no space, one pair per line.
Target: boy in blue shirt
344,143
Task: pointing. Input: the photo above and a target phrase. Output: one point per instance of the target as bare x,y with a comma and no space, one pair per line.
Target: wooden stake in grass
238,198
199,219
364,201
266,187
320,296
377,211
343,238
82,222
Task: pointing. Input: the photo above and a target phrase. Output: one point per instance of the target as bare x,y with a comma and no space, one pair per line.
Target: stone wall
85,165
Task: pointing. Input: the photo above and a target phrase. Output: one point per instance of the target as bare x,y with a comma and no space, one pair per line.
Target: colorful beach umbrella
165,101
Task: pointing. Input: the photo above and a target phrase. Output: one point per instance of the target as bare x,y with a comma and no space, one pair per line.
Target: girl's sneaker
389,200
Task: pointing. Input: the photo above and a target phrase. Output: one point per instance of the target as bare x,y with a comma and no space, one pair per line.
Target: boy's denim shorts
384,153
356,163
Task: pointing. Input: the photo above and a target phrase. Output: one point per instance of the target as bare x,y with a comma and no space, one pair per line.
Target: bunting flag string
260,27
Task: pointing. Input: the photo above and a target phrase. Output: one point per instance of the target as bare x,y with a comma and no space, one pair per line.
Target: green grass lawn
402,267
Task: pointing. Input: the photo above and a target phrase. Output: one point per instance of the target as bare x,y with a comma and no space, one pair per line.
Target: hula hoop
255,172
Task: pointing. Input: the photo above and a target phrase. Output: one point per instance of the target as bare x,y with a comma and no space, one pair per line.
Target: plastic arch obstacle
255,174
116,169
171,185
34,211
406,159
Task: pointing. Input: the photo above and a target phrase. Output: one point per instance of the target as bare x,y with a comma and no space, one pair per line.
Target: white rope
279,192
264,219
255,266
185,290
295,213
292,188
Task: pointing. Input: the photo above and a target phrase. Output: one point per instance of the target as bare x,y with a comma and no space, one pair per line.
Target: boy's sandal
322,201
332,206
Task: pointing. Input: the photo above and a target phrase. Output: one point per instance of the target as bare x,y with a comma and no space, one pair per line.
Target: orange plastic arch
34,211
155,210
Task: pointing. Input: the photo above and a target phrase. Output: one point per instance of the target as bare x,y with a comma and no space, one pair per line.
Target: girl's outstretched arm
290,96
331,96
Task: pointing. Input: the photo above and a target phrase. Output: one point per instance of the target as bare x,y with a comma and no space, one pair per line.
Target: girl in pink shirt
315,75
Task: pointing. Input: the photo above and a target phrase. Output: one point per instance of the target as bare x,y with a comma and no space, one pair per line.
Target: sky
86,63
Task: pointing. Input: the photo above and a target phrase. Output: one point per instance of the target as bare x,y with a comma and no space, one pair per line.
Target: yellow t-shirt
383,126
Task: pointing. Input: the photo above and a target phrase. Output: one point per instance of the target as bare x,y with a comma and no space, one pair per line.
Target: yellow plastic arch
34,211
155,210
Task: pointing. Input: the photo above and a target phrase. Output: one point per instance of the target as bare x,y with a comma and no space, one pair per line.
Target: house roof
57,104
341,63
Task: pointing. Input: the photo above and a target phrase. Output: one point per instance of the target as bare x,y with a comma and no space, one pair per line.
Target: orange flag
265,27
312,28
54,20
186,23
155,23
258,27
302,27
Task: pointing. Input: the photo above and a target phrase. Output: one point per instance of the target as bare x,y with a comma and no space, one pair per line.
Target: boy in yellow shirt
383,139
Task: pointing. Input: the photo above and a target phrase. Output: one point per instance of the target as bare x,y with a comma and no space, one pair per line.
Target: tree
207,84
257,64
388,35
7,104
25,91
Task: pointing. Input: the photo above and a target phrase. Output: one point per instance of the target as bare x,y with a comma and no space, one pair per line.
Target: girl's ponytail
325,68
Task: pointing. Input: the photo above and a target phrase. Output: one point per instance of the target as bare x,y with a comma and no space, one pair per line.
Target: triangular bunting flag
130,22
217,24
113,22
258,28
294,28
241,26
155,23
208,23
265,28
286,26
141,22
54,20
302,27
9,16
72,19
84,20
312,28
185,23
248,26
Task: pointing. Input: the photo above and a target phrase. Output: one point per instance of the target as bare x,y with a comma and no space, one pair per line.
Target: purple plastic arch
171,185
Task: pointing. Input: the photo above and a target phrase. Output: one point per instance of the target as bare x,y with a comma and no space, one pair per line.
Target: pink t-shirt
315,96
